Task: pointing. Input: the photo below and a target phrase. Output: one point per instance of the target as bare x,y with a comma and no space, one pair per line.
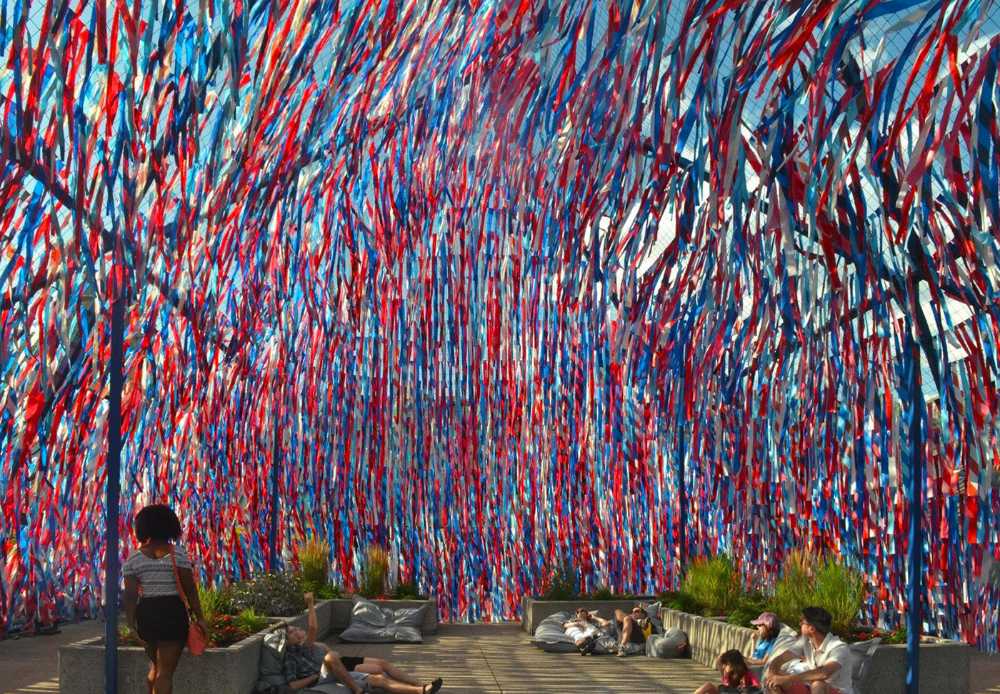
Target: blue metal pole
112,569
915,569
272,534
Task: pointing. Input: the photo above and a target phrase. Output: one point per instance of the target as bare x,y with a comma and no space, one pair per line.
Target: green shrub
274,595
680,601
747,608
794,589
713,583
374,572
561,583
602,592
314,561
408,591
214,601
249,621
808,581
840,590
328,591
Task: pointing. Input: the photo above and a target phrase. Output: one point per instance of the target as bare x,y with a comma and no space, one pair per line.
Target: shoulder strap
177,578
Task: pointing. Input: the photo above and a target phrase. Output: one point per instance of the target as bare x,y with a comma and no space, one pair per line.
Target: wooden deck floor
495,658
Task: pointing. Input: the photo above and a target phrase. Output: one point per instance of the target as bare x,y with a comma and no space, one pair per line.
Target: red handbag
197,640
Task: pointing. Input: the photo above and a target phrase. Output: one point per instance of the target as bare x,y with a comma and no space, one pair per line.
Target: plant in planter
560,583
407,591
225,629
794,589
274,595
809,580
713,583
374,572
314,569
680,601
747,608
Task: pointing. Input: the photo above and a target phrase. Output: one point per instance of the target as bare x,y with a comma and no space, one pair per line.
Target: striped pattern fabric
156,576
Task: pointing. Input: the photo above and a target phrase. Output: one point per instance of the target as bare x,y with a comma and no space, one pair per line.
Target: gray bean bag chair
551,637
373,624
673,643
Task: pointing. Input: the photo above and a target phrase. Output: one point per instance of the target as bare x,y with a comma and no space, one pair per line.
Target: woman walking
154,607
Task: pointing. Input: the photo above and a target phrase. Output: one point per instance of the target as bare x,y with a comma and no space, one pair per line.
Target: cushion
861,658
373,624
271,668
552,638
671,644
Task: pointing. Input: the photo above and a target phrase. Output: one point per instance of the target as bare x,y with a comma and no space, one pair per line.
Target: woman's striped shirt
156,576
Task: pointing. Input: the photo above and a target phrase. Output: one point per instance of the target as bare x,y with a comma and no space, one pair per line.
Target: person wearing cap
768,628
822,662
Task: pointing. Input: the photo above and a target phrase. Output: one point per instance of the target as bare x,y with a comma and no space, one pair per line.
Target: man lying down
292,660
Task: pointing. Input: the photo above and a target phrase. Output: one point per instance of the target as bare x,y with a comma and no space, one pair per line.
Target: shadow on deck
492,658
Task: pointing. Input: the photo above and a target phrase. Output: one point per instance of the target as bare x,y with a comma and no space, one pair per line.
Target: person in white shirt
585,629
819,663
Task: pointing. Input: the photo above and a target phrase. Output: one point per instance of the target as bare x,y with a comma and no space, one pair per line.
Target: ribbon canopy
492,283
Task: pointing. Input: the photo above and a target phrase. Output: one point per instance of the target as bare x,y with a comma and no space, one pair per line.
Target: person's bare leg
151,675
387,684
627,626
387,668
168,653
335,667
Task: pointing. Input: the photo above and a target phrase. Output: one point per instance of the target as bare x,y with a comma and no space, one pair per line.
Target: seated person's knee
377,680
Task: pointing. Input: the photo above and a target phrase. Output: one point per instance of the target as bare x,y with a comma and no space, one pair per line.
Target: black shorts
162,619
350,662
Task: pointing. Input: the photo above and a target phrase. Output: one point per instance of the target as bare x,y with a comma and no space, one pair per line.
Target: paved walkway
472,659
497,658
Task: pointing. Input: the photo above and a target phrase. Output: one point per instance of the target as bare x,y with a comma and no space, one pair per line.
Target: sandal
433,686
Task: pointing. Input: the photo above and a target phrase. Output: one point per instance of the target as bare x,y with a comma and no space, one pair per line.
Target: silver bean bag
373,624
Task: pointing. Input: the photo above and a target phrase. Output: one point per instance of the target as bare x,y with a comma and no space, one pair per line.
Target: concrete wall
944,665
533,610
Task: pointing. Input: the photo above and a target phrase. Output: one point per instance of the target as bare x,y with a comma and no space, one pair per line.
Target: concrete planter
341,612
944,665
229,670
533,610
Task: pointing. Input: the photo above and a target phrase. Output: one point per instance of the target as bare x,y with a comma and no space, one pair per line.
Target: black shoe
591,646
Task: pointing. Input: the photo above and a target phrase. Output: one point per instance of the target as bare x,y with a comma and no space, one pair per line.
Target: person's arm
131,599
304,682
312,624
820,674
780,660
191,591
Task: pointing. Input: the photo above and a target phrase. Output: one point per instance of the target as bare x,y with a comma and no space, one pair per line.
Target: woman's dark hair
735,660
772,632
156,522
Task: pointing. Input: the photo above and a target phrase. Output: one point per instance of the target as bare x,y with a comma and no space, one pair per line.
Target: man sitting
304,663
634,628
819,662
